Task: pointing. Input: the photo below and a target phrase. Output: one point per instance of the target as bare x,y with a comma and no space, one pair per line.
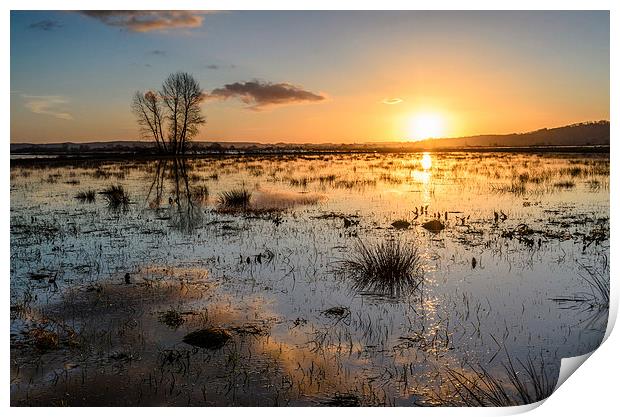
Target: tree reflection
174,198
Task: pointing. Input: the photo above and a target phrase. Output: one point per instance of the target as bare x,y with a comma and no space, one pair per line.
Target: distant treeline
575,135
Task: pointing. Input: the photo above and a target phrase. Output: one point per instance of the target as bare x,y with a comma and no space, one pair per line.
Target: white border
591,392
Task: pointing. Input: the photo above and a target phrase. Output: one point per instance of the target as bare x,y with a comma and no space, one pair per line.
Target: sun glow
426,125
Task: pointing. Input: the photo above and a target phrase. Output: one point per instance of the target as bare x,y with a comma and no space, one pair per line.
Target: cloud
148,20
48,105
392,100
46,25
218,67
260,94
158,52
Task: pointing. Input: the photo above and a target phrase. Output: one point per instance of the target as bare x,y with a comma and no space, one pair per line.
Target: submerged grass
43,339
343,400
389,268
597,278
200,194
599,282
564,184
171,318
526,385
369,330
236,198
86,196
116,197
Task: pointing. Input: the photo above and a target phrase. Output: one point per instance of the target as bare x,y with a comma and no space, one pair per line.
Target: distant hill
579,134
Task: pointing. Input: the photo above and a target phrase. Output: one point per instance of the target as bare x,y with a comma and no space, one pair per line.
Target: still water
509,278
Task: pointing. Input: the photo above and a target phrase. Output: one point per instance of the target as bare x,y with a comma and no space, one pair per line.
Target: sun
426,125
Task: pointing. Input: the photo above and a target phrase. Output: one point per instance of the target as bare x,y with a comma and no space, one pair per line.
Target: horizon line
326,142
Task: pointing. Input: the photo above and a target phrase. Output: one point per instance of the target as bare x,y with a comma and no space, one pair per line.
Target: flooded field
336,279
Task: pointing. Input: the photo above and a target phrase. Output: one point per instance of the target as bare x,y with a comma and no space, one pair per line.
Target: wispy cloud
49,105
148,20
220,67
46,25
259,94
395,100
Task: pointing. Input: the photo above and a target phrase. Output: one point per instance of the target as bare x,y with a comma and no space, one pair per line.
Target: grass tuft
343,400
43,339
86,196
237,198
171,318
116,197
526,385
388,268
597,298
598,280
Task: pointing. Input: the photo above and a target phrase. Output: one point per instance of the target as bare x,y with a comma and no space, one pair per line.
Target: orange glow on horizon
426,126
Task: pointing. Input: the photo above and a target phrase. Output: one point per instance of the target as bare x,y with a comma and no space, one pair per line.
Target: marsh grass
171,318
567,184
200,194
235,199
86,196
116,197
313,357
528,384
343,400
338,314
597,278
388,268
517,188
599,283
43,339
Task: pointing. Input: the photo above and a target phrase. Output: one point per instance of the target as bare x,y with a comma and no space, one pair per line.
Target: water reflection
305,213
426,161
184,200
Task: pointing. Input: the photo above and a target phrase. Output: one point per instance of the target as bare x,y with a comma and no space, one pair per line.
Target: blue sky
72,75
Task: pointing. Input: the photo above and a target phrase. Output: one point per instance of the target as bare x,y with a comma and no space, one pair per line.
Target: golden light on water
423,176
426,161
426,125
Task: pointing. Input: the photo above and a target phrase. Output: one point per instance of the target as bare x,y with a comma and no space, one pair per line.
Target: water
523,235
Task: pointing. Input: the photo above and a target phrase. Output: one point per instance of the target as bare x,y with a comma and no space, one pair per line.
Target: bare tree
149,113
178,105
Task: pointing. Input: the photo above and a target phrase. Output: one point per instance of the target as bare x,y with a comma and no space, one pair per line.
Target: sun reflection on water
426,161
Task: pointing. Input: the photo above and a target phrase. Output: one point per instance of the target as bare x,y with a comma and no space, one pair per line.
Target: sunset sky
311,76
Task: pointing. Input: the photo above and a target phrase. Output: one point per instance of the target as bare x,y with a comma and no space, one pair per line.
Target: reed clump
477,387
43,339
235,199
171,318
390,268
87,196
116,197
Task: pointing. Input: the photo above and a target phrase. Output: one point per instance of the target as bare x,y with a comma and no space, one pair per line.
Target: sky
311,76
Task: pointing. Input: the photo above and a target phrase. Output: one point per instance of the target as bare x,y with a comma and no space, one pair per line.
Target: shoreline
48,157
